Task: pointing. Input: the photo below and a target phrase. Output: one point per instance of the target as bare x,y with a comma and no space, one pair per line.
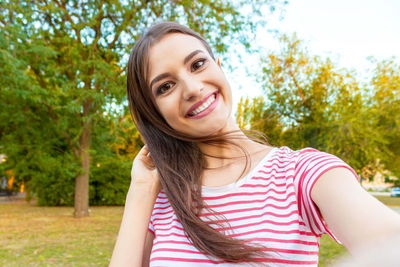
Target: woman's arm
354,216
132,243
129,248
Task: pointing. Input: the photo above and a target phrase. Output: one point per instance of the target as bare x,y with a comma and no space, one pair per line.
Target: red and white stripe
271,206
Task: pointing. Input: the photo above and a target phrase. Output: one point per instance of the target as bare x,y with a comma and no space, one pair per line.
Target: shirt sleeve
311,164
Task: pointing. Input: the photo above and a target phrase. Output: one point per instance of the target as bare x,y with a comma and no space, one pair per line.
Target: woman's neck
219,156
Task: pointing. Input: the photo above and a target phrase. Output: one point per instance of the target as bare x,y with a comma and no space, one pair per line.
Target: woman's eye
164,88
198,64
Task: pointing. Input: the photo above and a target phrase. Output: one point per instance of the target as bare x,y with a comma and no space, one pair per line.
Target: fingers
145,156
144,151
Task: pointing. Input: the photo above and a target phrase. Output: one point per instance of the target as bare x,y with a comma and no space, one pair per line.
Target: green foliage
385,103
260,118
109,181
63,67
116,143
311,103
54,184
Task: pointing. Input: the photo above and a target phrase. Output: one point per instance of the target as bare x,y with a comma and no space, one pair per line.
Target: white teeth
205,105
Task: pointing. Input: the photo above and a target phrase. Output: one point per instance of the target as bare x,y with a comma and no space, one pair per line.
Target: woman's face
189,87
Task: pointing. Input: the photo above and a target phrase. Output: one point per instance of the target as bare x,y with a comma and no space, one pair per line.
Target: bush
52,179
54,183
109,181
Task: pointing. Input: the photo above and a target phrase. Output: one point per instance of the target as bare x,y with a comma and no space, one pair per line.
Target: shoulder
312,162
304,158
297,155
311,155
310,167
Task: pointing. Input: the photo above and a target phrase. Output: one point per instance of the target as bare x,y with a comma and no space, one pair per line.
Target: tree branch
73,25
41,81
97,26
122,71
119,28
3,22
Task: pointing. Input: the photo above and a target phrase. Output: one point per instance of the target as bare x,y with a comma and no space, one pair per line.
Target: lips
203,105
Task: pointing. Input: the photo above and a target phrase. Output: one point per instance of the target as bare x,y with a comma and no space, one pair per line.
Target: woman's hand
144,172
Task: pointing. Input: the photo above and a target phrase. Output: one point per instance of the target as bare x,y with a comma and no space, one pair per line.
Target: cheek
228,93
169,110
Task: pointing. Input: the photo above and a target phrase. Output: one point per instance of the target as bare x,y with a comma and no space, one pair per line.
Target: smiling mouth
203,106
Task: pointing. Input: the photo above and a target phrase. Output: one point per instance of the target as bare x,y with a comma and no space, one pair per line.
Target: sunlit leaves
385,103
310,102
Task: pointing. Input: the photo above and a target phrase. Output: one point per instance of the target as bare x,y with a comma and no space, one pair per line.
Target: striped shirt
271,205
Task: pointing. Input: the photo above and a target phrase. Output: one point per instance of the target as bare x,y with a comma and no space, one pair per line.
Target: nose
192,88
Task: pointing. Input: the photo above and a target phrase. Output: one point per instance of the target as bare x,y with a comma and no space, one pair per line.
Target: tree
256,115
117,141
315,104
69,61
385,104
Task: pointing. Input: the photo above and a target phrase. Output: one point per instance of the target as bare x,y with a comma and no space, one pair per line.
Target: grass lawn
390,201
50,236
329,251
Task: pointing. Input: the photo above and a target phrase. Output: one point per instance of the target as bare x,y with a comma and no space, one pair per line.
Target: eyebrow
191,55
158,78
166,74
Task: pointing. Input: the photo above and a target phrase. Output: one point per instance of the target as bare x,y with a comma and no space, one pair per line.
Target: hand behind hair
144,172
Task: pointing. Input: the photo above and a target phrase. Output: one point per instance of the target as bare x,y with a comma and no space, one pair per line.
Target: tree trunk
82,180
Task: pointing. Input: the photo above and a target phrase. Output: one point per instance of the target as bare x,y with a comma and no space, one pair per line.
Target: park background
67,140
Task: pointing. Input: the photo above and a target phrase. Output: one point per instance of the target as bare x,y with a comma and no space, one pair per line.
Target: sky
347,31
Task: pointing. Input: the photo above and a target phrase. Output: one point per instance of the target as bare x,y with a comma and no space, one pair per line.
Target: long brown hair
178,159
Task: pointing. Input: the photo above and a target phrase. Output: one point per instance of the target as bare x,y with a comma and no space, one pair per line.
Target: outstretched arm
354,216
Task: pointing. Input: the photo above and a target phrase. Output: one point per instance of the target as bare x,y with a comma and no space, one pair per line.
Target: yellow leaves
127,138
243,113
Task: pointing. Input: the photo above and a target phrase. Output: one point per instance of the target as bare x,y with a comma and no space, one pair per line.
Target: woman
204,193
